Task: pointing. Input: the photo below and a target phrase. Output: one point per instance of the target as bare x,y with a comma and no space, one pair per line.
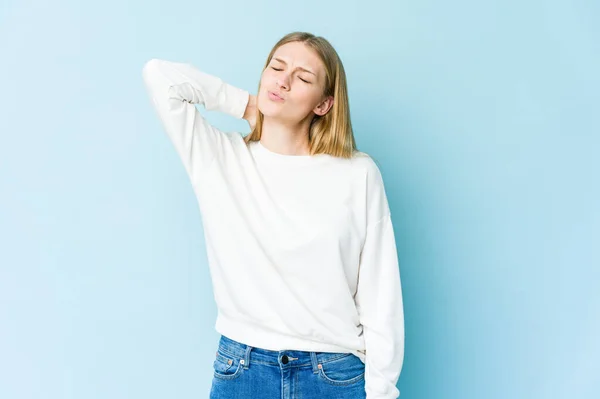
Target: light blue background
483,117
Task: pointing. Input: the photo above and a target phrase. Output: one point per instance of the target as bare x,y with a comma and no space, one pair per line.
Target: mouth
275,97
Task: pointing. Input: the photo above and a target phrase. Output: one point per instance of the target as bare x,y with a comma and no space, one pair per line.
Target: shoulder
369,167
376,199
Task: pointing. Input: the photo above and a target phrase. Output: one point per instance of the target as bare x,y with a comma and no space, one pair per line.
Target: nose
282,85
283,81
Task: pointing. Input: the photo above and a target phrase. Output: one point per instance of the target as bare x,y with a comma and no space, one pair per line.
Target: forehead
299,55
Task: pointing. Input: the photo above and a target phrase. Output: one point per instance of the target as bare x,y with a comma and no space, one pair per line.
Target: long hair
331,133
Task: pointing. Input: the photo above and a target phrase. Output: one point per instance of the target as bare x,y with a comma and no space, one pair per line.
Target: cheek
267,78
266,83
307,97
264,86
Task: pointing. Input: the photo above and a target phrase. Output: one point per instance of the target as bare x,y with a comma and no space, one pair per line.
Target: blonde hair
331,133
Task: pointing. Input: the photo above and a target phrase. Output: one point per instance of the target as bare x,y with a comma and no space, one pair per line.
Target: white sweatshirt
301,249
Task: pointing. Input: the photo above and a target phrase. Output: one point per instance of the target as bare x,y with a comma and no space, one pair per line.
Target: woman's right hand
251,111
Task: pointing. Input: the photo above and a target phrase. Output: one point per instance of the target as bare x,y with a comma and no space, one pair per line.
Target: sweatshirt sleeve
379,299
174,88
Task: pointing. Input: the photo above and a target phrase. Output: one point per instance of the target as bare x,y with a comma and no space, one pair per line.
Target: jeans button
284,359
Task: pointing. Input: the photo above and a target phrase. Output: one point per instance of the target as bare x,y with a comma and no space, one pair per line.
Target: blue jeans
243,371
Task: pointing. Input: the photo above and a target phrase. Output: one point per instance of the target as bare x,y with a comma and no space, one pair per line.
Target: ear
324,106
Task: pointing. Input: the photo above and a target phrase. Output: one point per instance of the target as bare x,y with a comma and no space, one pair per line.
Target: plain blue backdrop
483,117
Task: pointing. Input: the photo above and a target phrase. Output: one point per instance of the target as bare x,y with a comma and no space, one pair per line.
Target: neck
284,138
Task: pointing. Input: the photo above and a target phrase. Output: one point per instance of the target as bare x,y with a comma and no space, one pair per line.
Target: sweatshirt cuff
237,100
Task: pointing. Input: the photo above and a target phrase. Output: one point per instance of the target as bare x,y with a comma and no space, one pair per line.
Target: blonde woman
298,230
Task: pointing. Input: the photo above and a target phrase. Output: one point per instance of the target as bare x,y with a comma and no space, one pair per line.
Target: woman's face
291,87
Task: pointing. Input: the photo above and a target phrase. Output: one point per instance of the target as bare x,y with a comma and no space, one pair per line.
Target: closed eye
277,69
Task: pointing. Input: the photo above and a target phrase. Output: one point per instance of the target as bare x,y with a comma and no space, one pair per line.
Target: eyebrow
304,69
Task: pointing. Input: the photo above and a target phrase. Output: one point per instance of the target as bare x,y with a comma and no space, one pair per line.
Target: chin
270,110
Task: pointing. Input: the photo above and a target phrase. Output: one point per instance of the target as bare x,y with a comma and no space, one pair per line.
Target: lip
275,97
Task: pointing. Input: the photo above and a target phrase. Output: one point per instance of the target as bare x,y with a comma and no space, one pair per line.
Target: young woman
298,230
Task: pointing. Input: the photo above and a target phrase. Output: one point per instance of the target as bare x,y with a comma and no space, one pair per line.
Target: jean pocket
344,370
227,367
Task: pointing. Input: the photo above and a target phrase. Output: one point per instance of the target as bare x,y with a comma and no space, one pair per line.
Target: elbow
149,68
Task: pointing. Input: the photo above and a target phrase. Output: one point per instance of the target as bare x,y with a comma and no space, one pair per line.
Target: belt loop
247,356
315,362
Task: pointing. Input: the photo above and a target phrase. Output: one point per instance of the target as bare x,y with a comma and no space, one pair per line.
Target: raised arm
174,89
